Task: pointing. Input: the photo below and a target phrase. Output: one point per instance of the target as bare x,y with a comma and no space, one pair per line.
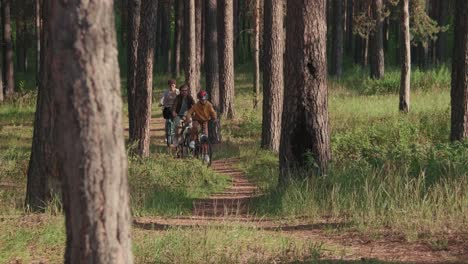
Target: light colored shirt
167,100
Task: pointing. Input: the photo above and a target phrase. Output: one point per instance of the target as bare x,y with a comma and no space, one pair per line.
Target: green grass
389,169
229,244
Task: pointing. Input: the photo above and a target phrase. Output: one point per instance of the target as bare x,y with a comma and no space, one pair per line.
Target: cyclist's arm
163,97
213,114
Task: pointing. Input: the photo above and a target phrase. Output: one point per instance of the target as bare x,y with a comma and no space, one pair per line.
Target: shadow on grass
163,202
225,150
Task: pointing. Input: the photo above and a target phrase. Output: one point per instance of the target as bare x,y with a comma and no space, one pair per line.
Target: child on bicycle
166,101
182,103
202,112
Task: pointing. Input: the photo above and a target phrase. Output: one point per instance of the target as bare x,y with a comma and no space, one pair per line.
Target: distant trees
178,19
305,110
88,133
8,63
459,91
273,86
256,48
337,38
377,65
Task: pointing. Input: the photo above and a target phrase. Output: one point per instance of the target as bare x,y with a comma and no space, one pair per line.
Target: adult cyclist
201,112
182,103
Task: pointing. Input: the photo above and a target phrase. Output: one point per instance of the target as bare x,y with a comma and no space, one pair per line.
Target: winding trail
231,207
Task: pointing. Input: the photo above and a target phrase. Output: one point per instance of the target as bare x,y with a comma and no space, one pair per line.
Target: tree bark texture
256,49
124,21
88,131
192,76
144,75
459,91
43,178
166,35
273,82
134,7
377,66
8,64
404,105
442,39
349,25
198,32
337,38
226,57
178,13
38,18
211,53
304,126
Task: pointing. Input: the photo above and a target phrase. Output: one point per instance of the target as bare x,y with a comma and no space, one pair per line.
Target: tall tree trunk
202,36
304,126
226,57
124,21
159,35
198,34
134,7
20,35
144,75
192,76
43,178
337,38
256,48
88,132
442,40
377,67
166,35
8,64
178,14
211,54
459,91
404,105
350,24
273,86
38,10
1,69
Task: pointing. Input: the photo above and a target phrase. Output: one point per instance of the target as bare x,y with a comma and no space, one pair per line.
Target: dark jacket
178,103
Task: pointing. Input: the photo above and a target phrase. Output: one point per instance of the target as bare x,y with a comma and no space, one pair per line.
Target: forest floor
342,243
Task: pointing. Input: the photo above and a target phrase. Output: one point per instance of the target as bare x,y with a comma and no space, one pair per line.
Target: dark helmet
202,95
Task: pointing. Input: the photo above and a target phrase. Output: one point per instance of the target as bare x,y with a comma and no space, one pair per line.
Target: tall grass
388,169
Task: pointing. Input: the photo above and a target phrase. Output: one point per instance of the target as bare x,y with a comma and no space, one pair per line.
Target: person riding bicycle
167,100
182,103
202,112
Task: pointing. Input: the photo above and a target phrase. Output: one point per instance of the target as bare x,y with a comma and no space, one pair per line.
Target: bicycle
169,131
202,149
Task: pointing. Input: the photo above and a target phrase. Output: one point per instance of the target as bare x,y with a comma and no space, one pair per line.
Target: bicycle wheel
169,132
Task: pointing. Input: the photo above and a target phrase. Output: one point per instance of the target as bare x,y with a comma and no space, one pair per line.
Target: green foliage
358,80
422,27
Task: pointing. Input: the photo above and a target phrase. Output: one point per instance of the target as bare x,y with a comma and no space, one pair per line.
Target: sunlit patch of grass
229,244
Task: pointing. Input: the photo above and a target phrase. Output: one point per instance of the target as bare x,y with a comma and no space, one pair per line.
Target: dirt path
231,207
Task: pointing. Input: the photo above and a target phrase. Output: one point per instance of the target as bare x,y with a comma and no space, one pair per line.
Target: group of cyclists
180,107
